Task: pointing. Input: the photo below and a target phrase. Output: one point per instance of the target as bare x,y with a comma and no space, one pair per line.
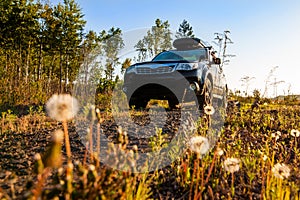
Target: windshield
194,55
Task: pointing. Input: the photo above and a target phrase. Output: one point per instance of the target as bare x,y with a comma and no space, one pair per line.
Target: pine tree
39,43
112,43
69,33
90,50
185,30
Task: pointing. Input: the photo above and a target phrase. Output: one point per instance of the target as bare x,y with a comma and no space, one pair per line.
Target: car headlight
131,69
186,66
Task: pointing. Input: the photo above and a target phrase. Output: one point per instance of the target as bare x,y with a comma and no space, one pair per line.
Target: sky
265,33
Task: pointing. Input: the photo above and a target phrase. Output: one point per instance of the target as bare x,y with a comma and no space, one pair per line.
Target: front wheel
138,103
173,103
205,98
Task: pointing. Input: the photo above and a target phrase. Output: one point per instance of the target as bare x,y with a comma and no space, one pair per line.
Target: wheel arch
205,76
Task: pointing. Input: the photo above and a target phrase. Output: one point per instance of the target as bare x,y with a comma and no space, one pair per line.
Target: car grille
157,70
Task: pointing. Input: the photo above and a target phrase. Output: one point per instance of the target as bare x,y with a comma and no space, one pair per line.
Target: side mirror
217,61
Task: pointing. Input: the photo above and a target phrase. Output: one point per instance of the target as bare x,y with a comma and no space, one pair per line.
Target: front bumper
163,86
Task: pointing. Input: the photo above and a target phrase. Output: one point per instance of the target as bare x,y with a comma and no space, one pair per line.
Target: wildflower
232,165
58,136
60,171
52,156
276,135
220,152
92,167
281,171
135,148
199,145
295,133
91,114
39,166
209,110
62,107
98,115
265,158
37,156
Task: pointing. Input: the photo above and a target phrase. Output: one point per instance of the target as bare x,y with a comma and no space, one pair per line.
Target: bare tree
246,83
267,82
222,41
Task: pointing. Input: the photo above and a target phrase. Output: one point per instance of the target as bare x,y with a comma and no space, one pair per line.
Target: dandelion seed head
209,110
231,165
62,107
295,133
220,152
199,145
92,167
276,135
281,171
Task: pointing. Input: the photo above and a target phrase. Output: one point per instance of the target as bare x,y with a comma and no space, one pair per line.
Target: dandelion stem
98,144
69,178
67,140
192,182
197,177
91,142
262,178
211,167
85,154
280,188
40,184
232,184
199,196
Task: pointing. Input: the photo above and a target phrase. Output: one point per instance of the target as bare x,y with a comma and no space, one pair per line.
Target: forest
44,47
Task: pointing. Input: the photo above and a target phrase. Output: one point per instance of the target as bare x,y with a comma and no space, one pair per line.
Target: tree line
43,47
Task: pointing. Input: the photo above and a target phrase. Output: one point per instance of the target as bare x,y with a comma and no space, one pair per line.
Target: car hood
161,62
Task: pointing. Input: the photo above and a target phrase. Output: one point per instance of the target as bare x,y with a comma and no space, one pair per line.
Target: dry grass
258,138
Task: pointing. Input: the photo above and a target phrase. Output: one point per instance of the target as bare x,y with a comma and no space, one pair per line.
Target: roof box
188,43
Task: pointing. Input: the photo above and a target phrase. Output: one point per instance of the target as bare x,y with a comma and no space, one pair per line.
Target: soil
17,163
